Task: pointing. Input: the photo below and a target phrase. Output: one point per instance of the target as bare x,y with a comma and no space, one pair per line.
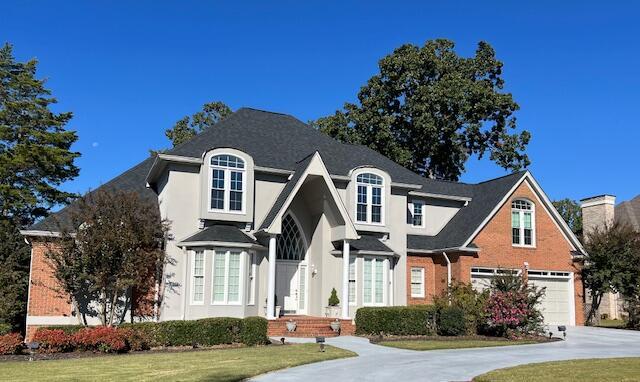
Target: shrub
254,331
53,341
451,321
4,328
11,343
69,329
333,299
469,300
148,332
216,331
102,338
396,320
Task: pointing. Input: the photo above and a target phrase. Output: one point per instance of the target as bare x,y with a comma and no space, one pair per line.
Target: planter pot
335,325
291,326
278,307
332,311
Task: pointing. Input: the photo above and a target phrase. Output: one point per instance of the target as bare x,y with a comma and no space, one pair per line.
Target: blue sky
129,70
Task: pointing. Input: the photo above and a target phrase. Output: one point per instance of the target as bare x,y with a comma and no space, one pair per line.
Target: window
417,212
369,198
522,223
251,289
227,183
352,281
197,278
226,277
417,282
290,243
373,281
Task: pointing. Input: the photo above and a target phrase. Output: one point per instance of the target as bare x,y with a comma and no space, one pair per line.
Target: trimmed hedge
254,331
451,321
397,320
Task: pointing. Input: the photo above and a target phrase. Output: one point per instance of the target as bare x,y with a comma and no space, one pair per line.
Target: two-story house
268,215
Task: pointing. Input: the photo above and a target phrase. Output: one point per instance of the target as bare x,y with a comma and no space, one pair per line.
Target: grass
451,344
612,324
588,370
210,365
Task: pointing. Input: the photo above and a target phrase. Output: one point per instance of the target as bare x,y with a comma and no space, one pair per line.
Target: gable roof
629,212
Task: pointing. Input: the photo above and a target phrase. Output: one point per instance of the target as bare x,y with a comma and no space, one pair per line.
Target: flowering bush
54,341
10,343
104,339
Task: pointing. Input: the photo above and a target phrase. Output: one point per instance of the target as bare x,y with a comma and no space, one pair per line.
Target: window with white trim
417,282
373,281
228,183
251,269
226,277
416,208
522,223
197,277
352,280
369,198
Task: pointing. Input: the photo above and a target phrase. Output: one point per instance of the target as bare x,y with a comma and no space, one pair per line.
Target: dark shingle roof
369,243
130,180
486,196
629,212
221,232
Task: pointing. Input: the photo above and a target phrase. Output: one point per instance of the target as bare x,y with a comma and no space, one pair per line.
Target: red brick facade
552,252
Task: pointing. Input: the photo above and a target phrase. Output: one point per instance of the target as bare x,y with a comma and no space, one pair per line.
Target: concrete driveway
379,363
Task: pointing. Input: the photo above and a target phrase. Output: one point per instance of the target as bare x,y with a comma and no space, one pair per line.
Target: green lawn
612,323
589,370
211,365
451,344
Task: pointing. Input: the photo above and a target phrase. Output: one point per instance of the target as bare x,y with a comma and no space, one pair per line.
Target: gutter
446,258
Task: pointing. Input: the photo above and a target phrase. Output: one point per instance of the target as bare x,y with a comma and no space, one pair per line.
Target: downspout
446,258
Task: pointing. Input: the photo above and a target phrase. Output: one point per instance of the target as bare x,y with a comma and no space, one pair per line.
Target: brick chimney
597,211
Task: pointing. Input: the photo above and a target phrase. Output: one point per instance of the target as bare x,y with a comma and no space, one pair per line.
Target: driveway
379,363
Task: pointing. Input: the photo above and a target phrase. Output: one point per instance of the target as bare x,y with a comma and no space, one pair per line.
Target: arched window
290,243
522,223
227,183
369,198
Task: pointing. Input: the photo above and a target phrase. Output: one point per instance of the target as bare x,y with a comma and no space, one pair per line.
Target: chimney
596,212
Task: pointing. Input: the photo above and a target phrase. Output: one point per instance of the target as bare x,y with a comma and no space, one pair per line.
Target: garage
558,303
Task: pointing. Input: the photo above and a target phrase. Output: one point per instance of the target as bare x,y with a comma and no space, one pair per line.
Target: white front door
291,286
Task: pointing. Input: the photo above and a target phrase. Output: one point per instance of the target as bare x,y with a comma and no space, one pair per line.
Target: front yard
439,344
209,365
588,370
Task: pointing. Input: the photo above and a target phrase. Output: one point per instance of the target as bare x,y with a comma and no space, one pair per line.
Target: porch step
309,327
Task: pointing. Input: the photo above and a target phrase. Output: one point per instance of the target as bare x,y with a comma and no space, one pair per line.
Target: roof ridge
503,176
263,111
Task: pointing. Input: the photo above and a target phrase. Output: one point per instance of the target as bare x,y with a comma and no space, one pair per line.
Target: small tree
111,251
612,264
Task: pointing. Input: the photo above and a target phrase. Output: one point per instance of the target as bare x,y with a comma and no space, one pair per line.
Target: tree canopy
571,213
429,110
187,127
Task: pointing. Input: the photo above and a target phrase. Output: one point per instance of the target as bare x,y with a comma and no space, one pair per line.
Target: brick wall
44,300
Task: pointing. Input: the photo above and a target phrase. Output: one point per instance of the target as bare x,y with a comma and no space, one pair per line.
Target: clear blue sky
129,70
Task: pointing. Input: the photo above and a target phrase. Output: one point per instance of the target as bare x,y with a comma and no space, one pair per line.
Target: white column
345,279
271,280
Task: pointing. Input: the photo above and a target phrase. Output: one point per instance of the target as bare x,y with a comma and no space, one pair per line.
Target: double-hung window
369,199
352,280
373,281
197,278
417,213
522,223
226,277
228,183
417,282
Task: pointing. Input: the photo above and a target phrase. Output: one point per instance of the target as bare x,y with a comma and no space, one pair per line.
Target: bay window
197,278
373,281
226,277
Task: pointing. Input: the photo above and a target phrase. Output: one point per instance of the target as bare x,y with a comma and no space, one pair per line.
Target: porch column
271,280
345,279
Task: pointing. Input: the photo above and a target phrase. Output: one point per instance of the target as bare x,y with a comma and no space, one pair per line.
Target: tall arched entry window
291,268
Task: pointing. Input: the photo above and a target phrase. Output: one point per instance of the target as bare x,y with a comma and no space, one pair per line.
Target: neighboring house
266,211
597,211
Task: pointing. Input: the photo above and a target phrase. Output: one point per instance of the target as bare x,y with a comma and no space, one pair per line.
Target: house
269,215
598,211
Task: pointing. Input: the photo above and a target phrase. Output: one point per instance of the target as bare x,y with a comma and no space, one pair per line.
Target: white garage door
557,302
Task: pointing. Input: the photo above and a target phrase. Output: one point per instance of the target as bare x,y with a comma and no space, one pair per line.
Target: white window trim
251,281
355,282
370,199
385,272
412,205
227,185
204,276
521,216
242,265
422,286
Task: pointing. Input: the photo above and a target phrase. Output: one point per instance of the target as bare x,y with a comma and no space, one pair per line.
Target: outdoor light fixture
282,340
320,340
563,329
33,346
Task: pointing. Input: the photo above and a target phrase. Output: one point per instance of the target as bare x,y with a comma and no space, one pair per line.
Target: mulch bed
376,339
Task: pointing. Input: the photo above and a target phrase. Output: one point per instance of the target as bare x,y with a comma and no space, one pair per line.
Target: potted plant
291,325
335,325
333,310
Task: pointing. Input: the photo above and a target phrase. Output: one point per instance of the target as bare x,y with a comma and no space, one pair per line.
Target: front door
291,286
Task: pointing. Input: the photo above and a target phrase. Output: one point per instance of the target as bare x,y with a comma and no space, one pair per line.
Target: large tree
429,109
35,159
571,213
612,264
111,251
187,127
